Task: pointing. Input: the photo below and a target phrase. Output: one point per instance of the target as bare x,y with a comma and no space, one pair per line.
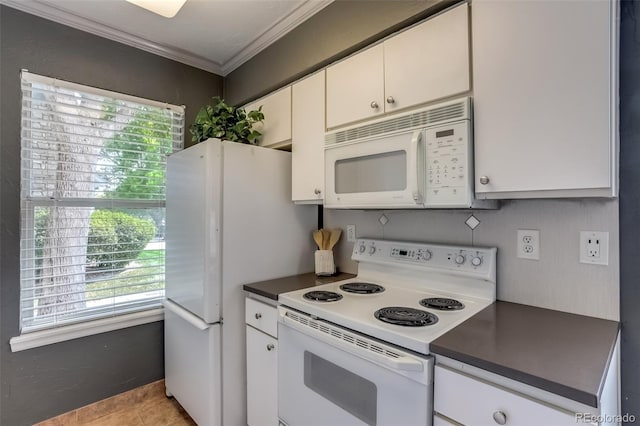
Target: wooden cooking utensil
326,235
334,237
317,237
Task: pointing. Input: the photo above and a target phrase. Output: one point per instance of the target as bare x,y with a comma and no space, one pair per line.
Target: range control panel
448,151
472,260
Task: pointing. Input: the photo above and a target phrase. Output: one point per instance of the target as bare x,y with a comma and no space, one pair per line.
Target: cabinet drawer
261,316
472,402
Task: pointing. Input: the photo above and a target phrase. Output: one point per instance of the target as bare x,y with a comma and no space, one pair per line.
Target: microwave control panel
448,165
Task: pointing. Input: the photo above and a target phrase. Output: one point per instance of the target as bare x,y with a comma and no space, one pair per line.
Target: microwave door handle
413,163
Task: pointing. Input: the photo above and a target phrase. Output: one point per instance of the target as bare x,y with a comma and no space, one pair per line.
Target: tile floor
143,406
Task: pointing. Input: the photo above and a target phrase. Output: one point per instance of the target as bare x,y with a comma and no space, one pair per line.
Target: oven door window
372,173
354,394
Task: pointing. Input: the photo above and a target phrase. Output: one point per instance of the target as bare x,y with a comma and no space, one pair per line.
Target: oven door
381,172
330,376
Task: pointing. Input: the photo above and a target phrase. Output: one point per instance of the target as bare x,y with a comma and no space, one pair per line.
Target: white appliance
229,221
356,352
413,160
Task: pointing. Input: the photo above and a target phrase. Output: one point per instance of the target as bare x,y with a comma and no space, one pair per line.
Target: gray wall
42,382
630,204
336,31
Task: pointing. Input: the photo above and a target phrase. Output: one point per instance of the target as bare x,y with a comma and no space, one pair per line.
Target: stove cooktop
358,312
407,294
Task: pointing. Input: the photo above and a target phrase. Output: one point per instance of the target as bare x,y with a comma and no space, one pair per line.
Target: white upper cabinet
544,77
355,87
307,142
427,62
276,129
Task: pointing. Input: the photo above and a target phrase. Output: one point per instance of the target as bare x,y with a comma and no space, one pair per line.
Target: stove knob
361,249
459,259
476,261
426,255
372,250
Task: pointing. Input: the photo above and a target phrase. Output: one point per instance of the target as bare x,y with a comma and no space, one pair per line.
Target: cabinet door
429,61
472,402
355,86
543,109
307,141
262,379
276,129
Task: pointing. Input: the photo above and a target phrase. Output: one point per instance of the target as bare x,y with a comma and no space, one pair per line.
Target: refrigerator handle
186,315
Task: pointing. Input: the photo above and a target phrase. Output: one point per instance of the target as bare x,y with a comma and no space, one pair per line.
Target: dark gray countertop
272,288
562,353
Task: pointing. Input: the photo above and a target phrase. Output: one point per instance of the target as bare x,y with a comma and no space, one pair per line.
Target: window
93,197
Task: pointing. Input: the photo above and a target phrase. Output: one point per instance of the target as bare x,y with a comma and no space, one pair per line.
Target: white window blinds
93,197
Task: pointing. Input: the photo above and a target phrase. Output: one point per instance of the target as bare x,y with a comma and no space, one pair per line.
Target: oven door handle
404,362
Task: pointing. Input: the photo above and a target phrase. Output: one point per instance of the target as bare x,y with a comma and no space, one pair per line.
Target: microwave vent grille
424,118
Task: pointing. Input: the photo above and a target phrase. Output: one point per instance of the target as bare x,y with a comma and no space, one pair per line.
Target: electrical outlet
594,247
528,245
351,233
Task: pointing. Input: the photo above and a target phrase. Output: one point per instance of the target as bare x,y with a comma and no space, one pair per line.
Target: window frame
85,323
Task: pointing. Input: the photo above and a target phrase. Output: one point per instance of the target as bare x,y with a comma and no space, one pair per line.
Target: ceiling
214,35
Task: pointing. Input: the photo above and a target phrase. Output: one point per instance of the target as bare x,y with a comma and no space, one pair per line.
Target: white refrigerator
229,221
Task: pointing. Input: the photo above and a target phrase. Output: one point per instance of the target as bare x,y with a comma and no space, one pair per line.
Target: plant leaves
224,121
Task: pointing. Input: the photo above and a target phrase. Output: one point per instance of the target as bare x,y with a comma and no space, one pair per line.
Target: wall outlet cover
528,244
594,247
351,233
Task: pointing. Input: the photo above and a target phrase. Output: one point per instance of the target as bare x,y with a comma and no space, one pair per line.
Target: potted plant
226,122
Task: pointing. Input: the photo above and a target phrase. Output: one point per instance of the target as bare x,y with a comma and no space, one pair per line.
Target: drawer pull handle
500,417
484,180
258,315
271,347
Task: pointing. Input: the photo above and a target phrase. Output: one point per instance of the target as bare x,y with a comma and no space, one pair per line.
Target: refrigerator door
265,235
192,364
193,268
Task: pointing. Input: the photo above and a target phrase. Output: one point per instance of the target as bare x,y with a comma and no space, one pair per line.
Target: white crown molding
63,17
299,15
273,34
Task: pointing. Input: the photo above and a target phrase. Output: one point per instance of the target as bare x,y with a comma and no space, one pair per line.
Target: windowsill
75,331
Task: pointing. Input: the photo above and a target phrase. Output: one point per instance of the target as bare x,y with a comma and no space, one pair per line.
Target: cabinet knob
317,191
484,180
390,100
374,105
258,315
500,417
271,347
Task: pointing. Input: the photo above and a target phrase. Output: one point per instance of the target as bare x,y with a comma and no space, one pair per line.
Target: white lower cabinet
442,421
262,364
464,399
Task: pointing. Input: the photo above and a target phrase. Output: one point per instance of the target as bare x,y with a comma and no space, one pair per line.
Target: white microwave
416,160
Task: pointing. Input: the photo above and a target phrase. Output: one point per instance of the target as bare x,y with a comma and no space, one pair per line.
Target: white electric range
356,352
